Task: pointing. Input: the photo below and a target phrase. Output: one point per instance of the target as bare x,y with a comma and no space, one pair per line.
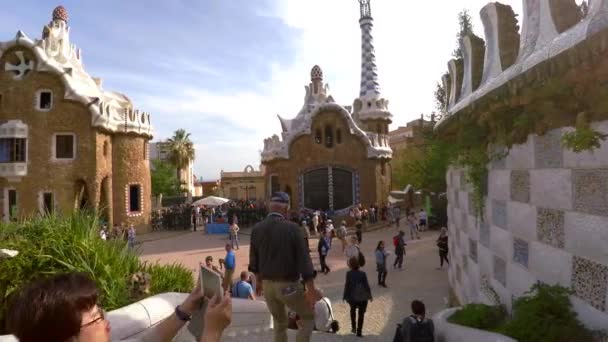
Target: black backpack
398,335
421,331
361,258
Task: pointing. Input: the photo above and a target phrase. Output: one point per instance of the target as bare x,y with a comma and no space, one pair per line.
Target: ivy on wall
583,138
508,115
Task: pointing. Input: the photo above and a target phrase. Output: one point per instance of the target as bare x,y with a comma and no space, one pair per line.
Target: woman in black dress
356,293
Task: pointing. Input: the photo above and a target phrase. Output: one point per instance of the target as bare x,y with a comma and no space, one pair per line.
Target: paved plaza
419,279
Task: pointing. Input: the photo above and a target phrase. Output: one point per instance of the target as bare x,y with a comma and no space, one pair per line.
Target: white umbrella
211,201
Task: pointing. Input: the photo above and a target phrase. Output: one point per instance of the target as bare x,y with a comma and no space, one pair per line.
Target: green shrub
53,245
169,278
480,316
545,314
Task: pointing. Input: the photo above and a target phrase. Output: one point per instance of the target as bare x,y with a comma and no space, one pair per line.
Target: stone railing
136,320
550,28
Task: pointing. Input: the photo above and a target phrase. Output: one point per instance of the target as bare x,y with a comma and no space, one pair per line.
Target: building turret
370,109
56,39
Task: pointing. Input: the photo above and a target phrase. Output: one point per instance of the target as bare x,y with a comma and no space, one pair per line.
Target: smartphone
211,283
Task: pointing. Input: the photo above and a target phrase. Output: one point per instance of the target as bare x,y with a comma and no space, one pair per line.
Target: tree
164,180
181,151
424,167
441,100
466,27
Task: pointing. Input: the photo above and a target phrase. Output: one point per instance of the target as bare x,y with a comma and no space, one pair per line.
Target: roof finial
316,73
60,13
366,9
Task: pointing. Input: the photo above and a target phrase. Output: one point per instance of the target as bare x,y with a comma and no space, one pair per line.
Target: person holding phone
279,259
65,307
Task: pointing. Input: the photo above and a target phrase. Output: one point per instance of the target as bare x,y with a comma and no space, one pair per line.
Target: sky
224,69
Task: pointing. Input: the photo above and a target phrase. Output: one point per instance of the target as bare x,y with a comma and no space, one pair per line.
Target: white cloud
413,41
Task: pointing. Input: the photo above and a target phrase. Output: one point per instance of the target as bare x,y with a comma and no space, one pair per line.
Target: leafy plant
480,316
542,314
53,245
169,278
545,314
584,138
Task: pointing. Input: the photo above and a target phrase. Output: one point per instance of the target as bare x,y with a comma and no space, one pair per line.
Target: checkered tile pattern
369,74
546,220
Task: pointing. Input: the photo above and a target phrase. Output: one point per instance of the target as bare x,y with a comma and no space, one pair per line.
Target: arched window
318,136
329,136
338,136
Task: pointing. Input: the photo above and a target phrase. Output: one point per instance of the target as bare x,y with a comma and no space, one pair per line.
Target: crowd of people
119,232
280,269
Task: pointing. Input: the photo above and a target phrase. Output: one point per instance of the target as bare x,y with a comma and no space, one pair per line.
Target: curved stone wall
545,219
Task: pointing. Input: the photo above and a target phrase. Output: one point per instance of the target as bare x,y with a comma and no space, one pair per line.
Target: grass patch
52,245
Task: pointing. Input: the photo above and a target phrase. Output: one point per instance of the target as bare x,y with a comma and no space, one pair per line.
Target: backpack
361,258
421,331
398,334
396,240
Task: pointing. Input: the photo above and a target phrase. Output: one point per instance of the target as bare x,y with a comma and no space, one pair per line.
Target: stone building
160,151
65,142
332,156
245,185
408,135
545,213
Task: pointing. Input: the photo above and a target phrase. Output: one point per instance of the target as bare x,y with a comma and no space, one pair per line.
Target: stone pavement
419,279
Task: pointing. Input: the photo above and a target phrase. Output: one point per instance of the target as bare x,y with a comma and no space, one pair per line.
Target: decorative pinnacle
366,9
60,13
316,73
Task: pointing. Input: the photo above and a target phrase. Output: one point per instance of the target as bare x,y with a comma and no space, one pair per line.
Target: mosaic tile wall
545,219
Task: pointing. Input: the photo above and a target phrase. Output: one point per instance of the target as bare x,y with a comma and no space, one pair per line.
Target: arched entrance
328,188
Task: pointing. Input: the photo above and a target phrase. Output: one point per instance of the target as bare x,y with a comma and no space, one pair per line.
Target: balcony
13,170
13,149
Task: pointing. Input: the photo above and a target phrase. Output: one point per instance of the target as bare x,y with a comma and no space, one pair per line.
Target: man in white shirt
352,250
315,222
324,316
423,219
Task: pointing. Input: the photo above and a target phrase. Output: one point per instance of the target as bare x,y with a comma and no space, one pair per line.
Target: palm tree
181,151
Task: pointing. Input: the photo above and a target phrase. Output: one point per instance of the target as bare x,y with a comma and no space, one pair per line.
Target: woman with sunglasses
65,308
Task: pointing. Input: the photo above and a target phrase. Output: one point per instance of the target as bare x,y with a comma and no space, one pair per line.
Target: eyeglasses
102,316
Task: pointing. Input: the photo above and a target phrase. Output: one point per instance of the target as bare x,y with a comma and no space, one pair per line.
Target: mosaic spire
370,105
369,74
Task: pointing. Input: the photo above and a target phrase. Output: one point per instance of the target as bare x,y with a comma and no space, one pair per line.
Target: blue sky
223,69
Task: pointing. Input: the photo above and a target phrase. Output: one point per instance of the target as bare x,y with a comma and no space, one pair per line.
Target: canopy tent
394,200
211,201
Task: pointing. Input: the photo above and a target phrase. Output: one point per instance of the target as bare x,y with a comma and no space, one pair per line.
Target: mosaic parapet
549,28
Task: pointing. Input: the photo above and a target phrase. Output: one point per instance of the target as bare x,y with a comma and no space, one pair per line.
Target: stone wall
46,174
545,219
